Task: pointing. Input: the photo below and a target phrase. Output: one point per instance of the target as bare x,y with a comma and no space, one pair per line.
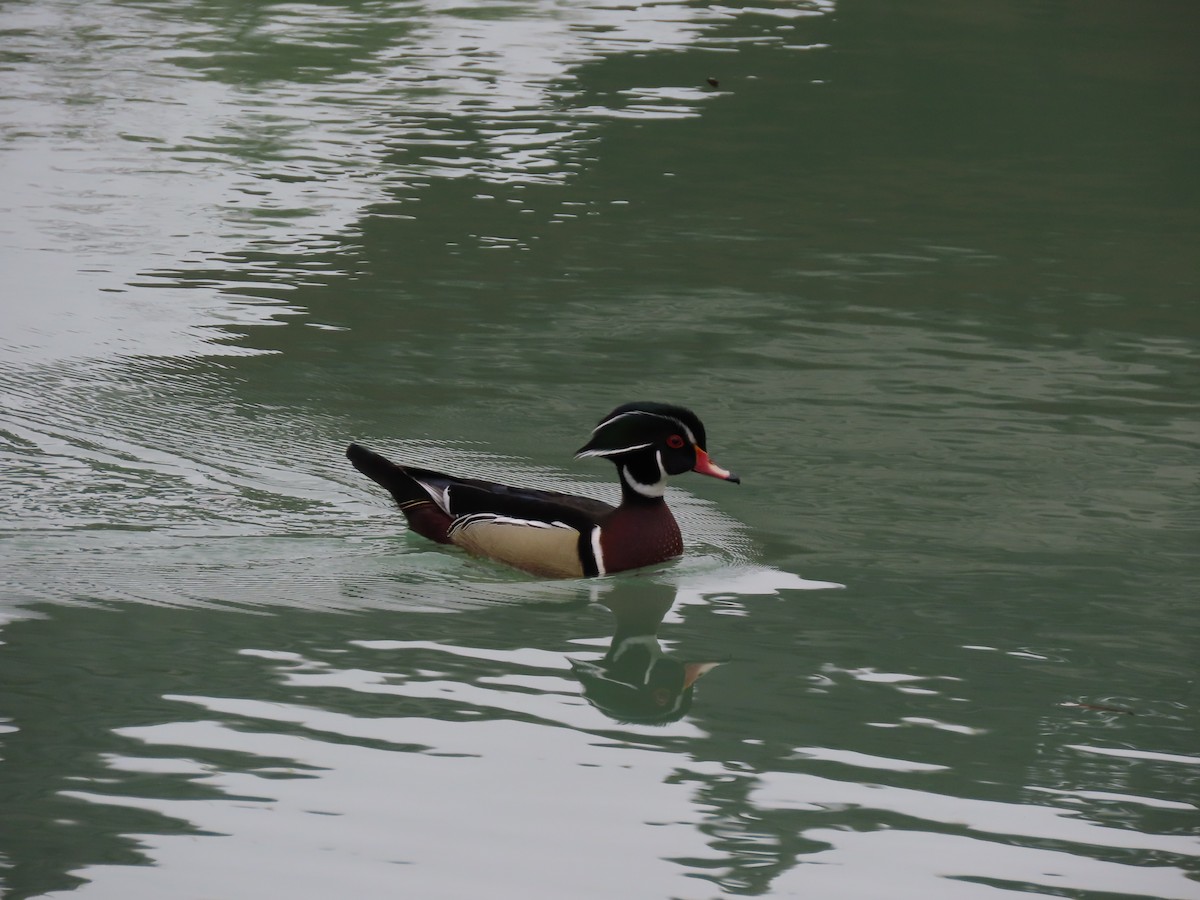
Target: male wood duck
561,535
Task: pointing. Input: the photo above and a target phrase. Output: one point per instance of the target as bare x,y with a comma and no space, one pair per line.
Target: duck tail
386,474
423,515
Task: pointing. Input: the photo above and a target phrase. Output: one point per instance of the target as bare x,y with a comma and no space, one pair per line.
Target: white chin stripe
646,490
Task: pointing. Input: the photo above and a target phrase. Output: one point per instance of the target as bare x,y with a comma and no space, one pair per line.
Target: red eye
675,442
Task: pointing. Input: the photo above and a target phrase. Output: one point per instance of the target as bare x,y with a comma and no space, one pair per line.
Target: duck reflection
638,681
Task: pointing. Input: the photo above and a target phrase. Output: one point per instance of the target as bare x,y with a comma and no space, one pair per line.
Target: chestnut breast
636,535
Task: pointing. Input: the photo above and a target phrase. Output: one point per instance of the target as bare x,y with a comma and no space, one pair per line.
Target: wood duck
561,535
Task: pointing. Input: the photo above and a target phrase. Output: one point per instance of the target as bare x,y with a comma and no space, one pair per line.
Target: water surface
929,277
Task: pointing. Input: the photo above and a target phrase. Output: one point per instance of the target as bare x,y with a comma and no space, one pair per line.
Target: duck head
649,441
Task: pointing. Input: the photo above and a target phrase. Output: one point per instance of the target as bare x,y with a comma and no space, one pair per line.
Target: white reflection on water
1132,753
794,790
306,796
929,866
161,136
917,860
375,822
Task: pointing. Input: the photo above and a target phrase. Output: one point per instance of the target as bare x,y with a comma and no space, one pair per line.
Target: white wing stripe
497,519
440,496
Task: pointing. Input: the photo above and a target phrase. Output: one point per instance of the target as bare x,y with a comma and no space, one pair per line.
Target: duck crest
555,534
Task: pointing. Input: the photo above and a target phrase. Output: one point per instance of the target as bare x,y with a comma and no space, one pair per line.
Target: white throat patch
654,489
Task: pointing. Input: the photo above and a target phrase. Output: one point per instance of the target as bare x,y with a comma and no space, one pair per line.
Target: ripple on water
117,495
427,740
158,137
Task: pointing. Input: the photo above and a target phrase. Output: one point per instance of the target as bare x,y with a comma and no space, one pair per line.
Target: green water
929,275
